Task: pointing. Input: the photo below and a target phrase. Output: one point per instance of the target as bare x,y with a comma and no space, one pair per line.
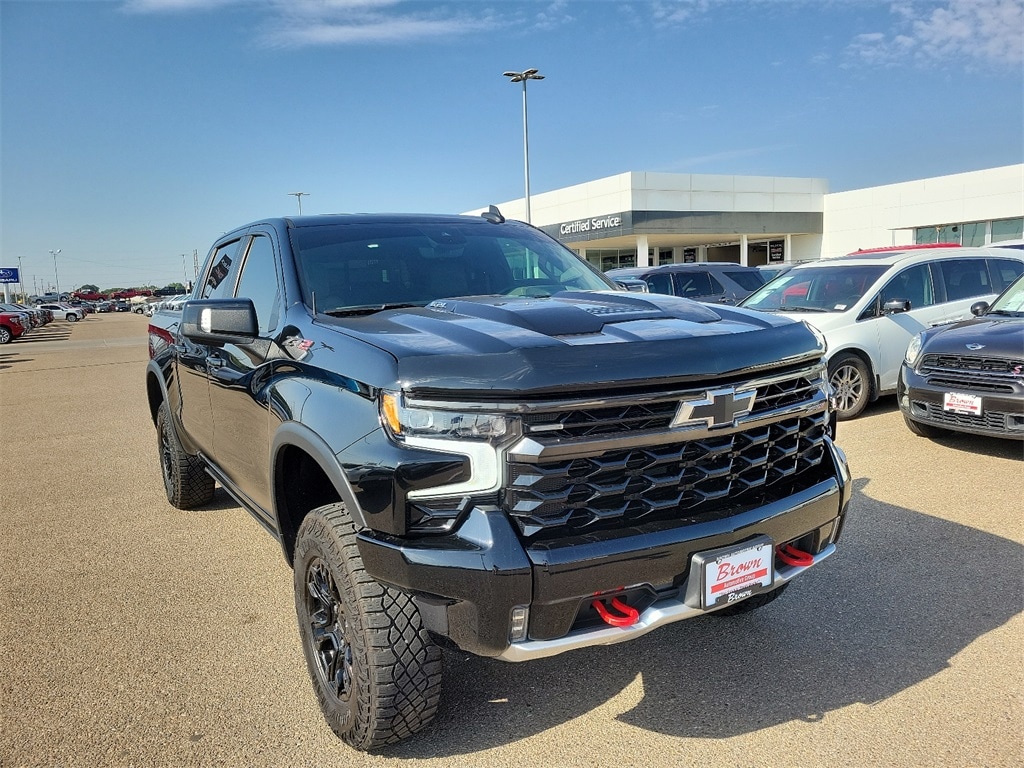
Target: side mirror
895,306
219,321
979,308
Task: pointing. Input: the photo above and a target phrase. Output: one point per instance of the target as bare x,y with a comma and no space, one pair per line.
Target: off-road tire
375,670
185,479
851,382
752,603
924,430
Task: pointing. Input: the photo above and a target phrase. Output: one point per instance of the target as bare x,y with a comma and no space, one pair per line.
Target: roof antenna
493,215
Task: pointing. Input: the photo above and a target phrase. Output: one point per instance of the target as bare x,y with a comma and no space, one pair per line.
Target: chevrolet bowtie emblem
718,408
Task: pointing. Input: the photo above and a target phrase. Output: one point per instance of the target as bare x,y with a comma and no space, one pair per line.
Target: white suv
62,309
870,304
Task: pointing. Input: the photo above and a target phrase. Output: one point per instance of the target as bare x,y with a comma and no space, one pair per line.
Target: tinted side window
913,284
748,281
692,284
1004,272
259,283
965,278
661,283
220,280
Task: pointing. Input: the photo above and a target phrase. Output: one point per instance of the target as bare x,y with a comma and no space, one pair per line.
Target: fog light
520,618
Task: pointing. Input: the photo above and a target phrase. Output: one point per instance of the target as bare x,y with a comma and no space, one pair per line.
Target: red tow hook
631,615
790,555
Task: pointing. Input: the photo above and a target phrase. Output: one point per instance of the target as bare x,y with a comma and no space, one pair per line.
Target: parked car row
964,369
17,320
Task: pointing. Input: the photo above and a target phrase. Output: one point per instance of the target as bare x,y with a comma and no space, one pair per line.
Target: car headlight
404,421
914,350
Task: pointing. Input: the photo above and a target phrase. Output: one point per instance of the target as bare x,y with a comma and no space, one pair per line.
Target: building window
611,258
949,233
1007,229
972,234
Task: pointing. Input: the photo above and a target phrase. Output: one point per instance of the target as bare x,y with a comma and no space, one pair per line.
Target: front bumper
924,402
467,583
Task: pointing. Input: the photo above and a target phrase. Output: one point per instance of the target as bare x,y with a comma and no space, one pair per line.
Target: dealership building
641,219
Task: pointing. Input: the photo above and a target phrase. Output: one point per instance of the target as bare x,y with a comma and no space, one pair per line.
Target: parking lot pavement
135,634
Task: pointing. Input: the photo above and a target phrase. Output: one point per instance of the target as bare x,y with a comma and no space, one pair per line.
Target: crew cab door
196,413
239,376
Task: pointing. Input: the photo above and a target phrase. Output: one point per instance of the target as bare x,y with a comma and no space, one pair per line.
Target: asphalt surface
135,634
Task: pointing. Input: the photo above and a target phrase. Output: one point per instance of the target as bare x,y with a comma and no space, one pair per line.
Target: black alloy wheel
328,628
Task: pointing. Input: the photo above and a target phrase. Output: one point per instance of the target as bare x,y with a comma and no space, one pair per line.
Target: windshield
1011,302
826,288
352,268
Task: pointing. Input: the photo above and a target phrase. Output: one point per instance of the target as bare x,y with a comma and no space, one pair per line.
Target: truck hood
499,345
997,337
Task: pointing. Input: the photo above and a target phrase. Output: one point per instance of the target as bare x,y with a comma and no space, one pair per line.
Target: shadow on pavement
904,594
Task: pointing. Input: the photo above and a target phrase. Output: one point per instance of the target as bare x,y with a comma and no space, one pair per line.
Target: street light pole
56,280
522,77
298,196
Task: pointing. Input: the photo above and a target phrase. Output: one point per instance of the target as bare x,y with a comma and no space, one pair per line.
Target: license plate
960,403
734,574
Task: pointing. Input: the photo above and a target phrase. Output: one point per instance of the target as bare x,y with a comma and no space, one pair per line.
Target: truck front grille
697,479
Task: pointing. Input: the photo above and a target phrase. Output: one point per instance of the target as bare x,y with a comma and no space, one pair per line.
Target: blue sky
134,132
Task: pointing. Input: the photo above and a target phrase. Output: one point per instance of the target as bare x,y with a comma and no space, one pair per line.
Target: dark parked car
969,376
710,282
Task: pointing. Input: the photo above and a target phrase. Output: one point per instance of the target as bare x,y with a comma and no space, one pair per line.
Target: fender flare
293,433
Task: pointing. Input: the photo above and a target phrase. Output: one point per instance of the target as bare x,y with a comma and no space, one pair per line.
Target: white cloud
971,31
299,23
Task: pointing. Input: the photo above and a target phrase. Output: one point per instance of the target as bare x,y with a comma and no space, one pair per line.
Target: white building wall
887,215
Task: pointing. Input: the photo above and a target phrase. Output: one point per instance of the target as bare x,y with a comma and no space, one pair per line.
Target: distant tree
89,288
177,286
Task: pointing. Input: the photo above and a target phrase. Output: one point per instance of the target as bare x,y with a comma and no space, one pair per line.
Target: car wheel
5,335
185,479
924,430
851,385
375,670
751,603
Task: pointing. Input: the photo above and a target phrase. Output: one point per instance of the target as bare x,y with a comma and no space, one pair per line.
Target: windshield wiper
795,308
366,309
1006,312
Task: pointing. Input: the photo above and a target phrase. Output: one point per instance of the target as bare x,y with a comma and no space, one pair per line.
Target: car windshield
359,268
825,288
1011,301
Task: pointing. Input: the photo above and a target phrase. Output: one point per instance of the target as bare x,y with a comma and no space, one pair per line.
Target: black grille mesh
694,479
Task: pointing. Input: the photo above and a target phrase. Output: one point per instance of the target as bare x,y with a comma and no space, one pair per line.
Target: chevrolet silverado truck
463,435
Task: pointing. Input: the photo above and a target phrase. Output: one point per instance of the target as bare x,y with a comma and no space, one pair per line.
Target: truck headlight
479,436
914,350
404,421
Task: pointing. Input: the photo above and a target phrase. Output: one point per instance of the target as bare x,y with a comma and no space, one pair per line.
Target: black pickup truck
462,434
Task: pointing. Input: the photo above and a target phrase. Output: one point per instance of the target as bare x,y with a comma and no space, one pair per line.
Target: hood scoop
571,313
